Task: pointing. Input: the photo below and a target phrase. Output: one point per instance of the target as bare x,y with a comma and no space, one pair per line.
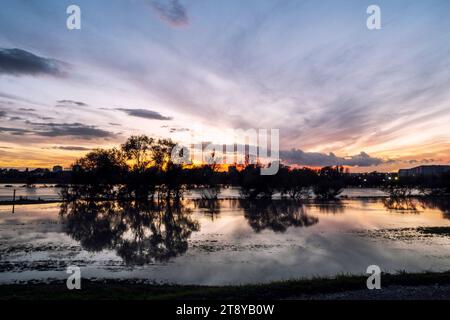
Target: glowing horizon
338,92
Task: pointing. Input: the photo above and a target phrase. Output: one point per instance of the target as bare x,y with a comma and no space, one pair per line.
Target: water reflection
442,204
277,216
140,232
244,243
143,232
401,204
331,206
416,205
210,207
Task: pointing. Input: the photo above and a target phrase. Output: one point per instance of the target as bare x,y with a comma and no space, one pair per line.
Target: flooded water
221,242
51,192
42,192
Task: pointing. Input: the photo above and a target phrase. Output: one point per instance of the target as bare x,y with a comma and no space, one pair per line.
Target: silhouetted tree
31,181
139,151
162,153
172,175
296,183
97,173
141,179
209,181
254,185
330,183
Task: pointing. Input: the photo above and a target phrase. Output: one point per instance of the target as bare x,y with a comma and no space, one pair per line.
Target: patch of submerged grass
133,290
418,233
443,231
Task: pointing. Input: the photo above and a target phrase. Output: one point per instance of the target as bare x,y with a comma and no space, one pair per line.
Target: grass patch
133,290
442,231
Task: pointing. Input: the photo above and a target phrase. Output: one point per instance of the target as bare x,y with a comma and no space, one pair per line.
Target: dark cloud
2,114
415,161
6,103
296,156
21,62
68,103
178,130
27,109
143,113
171,11
13,131
391,161
75,129
71,148
84,132
15,118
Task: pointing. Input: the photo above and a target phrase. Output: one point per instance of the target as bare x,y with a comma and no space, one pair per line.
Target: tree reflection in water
210,207
401,204
277,216
329,206
415,205
442,204
140,232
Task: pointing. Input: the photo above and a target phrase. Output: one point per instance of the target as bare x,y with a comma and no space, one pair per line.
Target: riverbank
429,285
27,201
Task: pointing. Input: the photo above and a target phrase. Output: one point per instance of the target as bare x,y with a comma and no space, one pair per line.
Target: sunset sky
193,69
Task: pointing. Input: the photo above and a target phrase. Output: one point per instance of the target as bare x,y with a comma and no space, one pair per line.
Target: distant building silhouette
424,171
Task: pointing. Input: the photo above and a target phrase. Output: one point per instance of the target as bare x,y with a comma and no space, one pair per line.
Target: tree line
142,168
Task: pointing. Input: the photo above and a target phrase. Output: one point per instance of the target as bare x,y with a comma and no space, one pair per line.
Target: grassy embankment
132,290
